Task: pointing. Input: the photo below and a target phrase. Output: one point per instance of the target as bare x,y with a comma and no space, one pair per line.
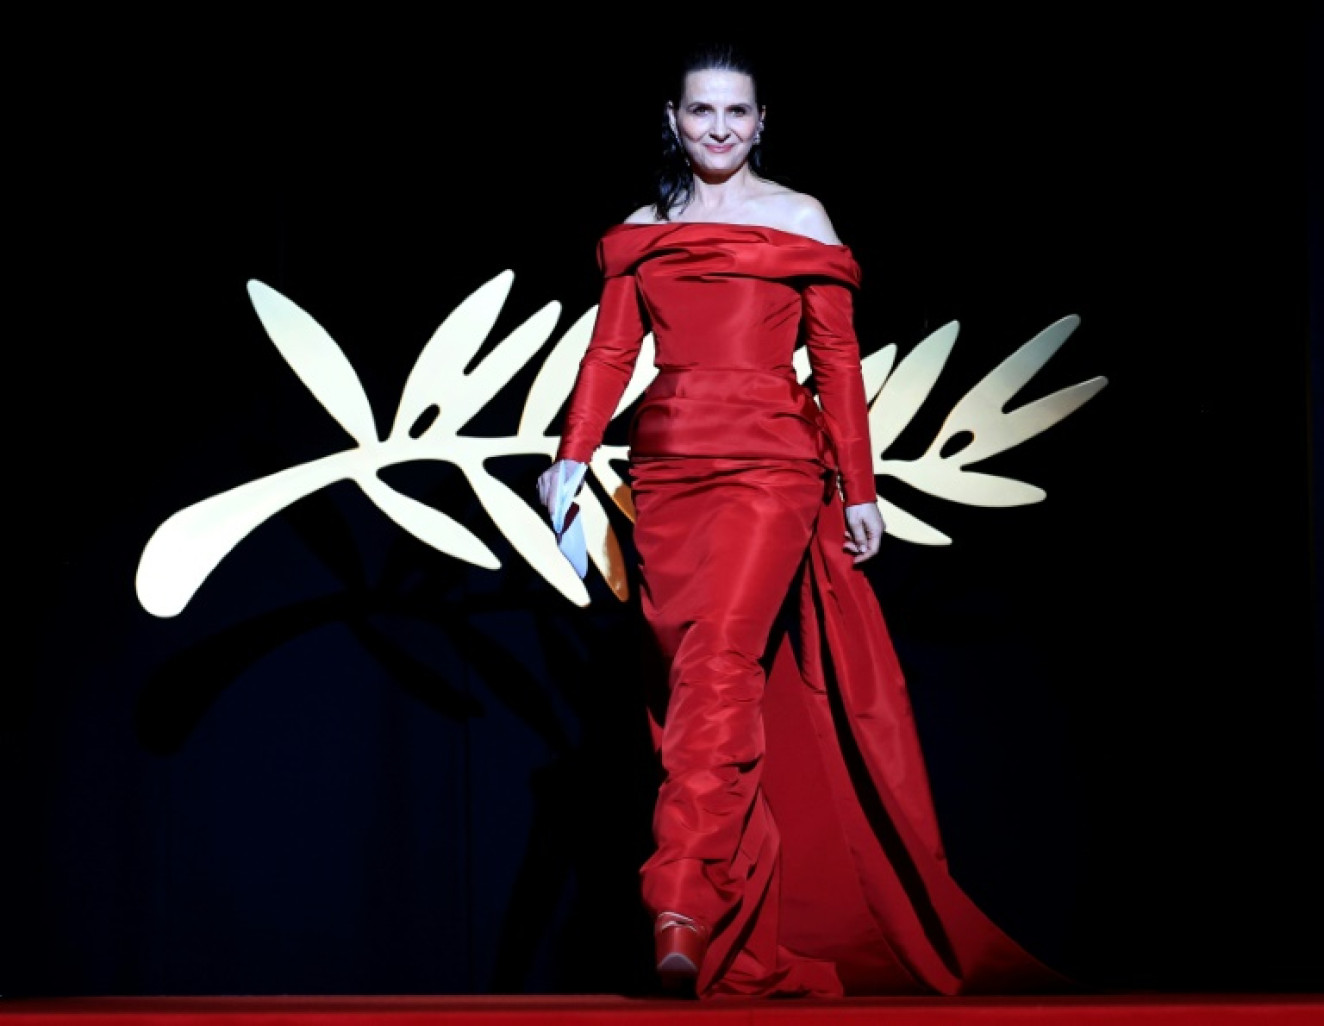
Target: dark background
354,764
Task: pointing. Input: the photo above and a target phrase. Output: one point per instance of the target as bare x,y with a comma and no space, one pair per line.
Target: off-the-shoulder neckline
725,224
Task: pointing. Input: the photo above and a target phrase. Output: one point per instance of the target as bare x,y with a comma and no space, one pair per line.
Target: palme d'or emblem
188,545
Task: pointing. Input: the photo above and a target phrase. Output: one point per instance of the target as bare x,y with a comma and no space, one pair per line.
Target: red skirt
794,817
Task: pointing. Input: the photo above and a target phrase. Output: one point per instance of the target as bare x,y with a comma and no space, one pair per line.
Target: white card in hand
570,540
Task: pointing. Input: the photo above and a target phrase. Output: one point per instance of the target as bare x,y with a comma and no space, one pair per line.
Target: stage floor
599,1010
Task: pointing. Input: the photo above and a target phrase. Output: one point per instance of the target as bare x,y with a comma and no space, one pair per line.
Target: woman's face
717,122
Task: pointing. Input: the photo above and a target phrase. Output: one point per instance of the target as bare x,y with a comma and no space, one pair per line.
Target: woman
797,848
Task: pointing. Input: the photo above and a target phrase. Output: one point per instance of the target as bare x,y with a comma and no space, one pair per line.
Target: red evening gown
794,818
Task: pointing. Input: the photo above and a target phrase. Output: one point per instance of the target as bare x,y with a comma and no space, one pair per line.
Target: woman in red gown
797,847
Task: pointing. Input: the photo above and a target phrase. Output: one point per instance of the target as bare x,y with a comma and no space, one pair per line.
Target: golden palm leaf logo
440,397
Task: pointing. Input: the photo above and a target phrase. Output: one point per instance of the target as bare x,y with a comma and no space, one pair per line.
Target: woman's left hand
864,530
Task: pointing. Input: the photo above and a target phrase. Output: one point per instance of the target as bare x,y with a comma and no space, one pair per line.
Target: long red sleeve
834,357
605,370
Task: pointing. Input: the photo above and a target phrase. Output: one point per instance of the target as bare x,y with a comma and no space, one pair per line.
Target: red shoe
680,944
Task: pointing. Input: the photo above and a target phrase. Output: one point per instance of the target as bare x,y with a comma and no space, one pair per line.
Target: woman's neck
720,199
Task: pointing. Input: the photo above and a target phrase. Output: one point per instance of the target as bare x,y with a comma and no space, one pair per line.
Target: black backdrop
356,765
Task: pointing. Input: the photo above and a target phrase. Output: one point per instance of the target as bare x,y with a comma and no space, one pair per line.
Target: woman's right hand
557,487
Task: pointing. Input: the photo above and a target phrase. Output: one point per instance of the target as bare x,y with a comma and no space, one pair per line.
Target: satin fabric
734,301
794,818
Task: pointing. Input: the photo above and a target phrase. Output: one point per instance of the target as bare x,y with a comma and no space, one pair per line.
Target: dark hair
674,178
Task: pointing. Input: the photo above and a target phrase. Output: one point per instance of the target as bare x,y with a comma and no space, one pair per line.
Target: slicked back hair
675,178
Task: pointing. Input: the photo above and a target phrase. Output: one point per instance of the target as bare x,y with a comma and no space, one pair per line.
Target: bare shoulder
801,213
646,214
809,217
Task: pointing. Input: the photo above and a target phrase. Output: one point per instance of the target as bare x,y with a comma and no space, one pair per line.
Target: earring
758,135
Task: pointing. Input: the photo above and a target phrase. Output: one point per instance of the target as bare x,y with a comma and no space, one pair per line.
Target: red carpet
593,1010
